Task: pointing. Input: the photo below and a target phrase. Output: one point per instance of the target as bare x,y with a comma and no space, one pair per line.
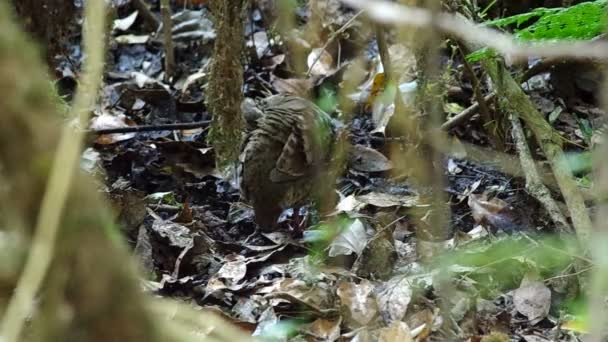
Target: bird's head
251,113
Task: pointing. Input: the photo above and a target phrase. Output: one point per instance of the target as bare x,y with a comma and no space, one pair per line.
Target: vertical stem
431,103
598,310
165,10
225,87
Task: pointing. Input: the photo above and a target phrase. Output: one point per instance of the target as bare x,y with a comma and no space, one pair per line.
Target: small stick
332,37
165,11
482,104
465,114
152,128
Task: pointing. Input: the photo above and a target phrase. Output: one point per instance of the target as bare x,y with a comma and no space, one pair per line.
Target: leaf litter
359,277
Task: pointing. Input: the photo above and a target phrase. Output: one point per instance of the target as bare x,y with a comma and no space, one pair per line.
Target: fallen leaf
352,239
261,43
396,332
532,299
130,39
109,120
125,23
366,159
325,329
384,200
320,62
357,300
393,298
494,212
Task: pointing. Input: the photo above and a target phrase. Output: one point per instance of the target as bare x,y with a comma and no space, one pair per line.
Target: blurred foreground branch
512,50
77,268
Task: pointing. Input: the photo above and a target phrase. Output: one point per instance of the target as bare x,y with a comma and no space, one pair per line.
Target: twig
331,38
465,114
383,52
152,128
575,274
61,175
546,64
387,66
165,10
482,104
500,161
516,102
472,109
401,138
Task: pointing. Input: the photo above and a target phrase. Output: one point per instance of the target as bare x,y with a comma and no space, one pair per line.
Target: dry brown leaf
396,332
107,121
494,212
358,302
393,298
320,62
532,299
325,329
366,159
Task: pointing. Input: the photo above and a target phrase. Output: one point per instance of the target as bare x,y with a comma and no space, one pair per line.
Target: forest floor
360,273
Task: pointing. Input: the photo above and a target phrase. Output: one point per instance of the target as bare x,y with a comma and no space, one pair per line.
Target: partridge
284,154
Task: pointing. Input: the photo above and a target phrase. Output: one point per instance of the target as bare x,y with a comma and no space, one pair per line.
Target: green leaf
521,18
327,99
583,21
580,22
483,53
577,162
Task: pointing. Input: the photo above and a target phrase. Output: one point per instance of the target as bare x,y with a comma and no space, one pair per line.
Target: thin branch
165,10
152,128
465,114
482,104
331,39
599,279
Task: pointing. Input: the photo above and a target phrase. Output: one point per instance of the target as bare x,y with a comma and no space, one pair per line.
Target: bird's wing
309,138
298,154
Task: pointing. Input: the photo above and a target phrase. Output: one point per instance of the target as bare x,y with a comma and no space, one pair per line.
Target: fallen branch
152,128
465,114
534,184
515,102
